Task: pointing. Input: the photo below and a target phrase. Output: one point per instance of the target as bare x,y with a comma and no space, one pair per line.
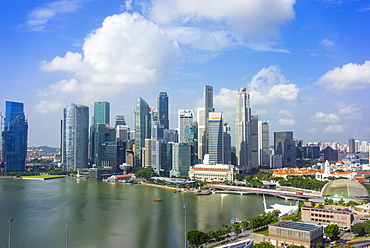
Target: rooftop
299,226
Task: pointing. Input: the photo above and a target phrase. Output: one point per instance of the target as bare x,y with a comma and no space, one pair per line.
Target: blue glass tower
15,137
142,128
163,109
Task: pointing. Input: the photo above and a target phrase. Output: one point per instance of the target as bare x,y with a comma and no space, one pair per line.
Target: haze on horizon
306,63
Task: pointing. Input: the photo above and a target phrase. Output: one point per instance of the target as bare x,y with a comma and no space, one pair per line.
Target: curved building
345,189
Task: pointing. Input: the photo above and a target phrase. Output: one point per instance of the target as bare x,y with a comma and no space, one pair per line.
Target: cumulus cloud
225,99
349,77
40,16
127,50
352,111
334,129
46,107
227,22
324,117
287,122
284,112
269,85
327,43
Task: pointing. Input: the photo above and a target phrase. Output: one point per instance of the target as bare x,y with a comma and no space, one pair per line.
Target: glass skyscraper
163,109
75,137
101,112
142,128
215,138
242,128
185,117
15,137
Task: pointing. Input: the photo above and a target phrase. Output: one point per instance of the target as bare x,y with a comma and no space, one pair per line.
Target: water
101,214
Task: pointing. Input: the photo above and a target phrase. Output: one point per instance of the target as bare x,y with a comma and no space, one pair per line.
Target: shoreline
168,187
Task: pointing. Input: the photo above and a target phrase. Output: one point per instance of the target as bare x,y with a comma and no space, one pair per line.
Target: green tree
332,231
263,245
196,238
359,229
295,246
319,245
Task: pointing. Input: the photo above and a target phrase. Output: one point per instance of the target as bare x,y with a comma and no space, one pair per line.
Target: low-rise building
286,233
327,216
212,172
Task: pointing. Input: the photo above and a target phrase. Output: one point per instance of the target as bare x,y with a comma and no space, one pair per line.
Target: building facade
163,107
185,117
209,173
284,145
202,115
101,112
142,129
215,138
263,144
15,136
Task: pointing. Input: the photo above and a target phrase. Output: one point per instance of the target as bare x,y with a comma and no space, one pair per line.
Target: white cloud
349,77
327,43
323,117
222,23
286,113
127,50
313,130
287,122
352,111
269,86
42,15
334,129
46,107
225,99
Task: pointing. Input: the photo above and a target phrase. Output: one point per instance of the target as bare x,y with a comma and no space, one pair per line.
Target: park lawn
263,231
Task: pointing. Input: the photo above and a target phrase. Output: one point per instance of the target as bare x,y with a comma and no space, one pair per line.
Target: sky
306,63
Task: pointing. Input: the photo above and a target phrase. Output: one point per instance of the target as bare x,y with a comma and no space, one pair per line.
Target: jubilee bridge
220,188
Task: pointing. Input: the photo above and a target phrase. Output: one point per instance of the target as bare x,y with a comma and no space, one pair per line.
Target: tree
296,246
359,229
196,238
263,245
332,231
319,245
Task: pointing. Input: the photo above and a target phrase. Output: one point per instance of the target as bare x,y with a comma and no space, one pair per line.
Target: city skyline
306,64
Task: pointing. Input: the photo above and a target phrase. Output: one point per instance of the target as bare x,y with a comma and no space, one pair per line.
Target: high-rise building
101,112
202,115
181,159
122,132
15,135
351,145
162,106
284,145
254,142
263,144
75,137
142,128
357,146
227,143
215,138
120,120
185,117
157,139
171,135
191,137
242,128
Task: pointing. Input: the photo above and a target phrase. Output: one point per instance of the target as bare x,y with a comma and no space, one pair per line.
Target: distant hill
43,149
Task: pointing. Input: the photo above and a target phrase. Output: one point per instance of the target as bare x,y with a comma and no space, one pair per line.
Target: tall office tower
357,146
153,114
191,137
113,154
120,120
15,135
202,119
242,128
166,158
263,144
181,159
162,106
157,137
227,143
122,132
351,145
171,135
142,128
100,135
364,147
215,138
185,117
147,153
75,137
284,145
101,112
254,142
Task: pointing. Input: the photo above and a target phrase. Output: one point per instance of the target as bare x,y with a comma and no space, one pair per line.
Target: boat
206,192
157,200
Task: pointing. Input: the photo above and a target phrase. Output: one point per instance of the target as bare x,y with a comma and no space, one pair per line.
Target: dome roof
344,188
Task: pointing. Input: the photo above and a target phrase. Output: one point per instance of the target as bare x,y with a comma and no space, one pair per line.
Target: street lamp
185,207
10,221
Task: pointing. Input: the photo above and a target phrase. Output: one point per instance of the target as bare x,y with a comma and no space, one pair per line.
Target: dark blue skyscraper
142,128
163,109
15,137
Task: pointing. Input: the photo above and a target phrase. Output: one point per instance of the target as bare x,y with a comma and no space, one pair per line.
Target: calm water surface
101,214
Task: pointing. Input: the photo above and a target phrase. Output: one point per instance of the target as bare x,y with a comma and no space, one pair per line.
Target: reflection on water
101,214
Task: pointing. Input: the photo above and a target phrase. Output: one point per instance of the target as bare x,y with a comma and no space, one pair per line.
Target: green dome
344,188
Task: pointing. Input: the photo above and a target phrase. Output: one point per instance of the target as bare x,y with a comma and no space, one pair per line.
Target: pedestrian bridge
288,195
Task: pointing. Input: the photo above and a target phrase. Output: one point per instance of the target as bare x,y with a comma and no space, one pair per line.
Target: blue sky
306,63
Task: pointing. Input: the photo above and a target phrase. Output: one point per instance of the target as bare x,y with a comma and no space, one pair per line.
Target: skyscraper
254,142
15,137
284,145
157,139
101,112
75,137
191,137
351,145
162,106
203,114
242,128
263,144
215,139
185,117
120,120
227,143
142,128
